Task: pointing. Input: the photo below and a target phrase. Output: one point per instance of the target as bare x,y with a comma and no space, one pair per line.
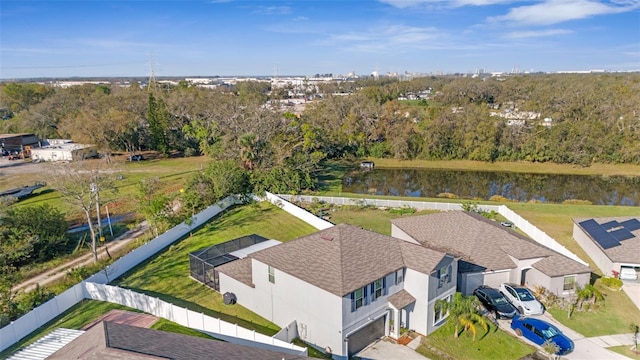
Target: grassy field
172,172
626,351
167,275
494,344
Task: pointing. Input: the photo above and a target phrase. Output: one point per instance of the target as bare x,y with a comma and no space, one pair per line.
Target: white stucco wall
316,311
417,284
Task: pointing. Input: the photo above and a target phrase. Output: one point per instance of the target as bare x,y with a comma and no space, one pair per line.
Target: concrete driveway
387,350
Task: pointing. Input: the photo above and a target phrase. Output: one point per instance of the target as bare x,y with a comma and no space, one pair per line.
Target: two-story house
344,287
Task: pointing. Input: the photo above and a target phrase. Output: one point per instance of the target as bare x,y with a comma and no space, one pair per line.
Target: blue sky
305,37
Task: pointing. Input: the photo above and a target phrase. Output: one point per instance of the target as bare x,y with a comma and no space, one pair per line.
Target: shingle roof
628,251
344,258
178,346
114,341
483,242
401,299
239,270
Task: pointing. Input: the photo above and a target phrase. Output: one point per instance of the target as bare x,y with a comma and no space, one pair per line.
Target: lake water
600,190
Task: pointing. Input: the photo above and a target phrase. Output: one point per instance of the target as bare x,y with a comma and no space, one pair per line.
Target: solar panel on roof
599,234
610,224
631,224
621,234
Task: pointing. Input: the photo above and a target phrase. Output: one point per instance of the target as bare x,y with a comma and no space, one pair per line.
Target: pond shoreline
518,167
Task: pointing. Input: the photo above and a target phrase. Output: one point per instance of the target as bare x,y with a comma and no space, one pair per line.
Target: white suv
522,299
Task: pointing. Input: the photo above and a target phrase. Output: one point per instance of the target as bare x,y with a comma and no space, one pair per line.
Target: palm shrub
463,311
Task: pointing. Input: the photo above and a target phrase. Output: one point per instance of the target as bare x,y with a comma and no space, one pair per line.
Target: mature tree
83,184
31,234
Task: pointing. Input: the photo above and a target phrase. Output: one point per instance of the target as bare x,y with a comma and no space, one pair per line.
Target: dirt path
60,271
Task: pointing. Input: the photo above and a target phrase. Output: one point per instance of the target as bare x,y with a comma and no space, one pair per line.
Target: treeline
564,118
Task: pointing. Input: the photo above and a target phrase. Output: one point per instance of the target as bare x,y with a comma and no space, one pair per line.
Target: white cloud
388,38
273,10
537,33
556,11
402,4
300,18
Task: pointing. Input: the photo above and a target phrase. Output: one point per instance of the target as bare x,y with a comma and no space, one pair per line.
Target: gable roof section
344,258
480,241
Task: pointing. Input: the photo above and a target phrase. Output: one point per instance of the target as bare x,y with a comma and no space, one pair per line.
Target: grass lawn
626,351
79,315
494,344
615,317
167,275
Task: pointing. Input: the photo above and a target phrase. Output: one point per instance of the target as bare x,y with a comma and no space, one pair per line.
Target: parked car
135,158
495,302
540,331
627,273
522,299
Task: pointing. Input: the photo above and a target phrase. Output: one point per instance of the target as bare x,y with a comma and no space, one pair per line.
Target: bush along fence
533,232
48,311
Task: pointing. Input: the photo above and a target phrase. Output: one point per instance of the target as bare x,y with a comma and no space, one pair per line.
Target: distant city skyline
40,39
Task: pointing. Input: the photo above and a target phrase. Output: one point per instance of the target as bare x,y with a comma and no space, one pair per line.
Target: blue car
540,331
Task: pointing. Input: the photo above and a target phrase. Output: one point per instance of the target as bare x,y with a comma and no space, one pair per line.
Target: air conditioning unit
229,298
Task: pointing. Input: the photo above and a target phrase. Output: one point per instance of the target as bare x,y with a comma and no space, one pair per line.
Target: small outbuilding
367,165
64,152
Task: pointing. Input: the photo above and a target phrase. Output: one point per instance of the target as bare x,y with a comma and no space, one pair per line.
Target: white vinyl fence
215,327
296,211
39,316
533,232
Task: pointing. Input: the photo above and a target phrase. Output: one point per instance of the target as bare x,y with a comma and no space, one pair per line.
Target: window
444,275
399,276
272,275
357,299
569,283
439,311
377,289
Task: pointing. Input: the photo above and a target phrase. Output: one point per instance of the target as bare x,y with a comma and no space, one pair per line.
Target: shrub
447,195
402,211
611,282
499,198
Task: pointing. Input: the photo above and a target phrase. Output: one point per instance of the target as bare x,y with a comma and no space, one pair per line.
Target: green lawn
78,316
615,317
494,344
371,219
167,275
626,351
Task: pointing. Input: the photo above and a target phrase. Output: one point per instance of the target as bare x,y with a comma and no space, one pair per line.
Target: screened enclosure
202,263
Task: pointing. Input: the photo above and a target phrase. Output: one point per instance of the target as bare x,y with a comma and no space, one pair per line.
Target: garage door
365,336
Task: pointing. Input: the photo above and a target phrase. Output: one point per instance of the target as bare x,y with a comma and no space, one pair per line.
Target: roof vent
326,237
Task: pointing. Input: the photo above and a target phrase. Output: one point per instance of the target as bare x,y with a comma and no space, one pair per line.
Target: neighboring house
612,243
64,152
491,254
110,340
342,288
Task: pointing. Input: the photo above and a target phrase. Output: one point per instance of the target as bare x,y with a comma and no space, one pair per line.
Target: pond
522,187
